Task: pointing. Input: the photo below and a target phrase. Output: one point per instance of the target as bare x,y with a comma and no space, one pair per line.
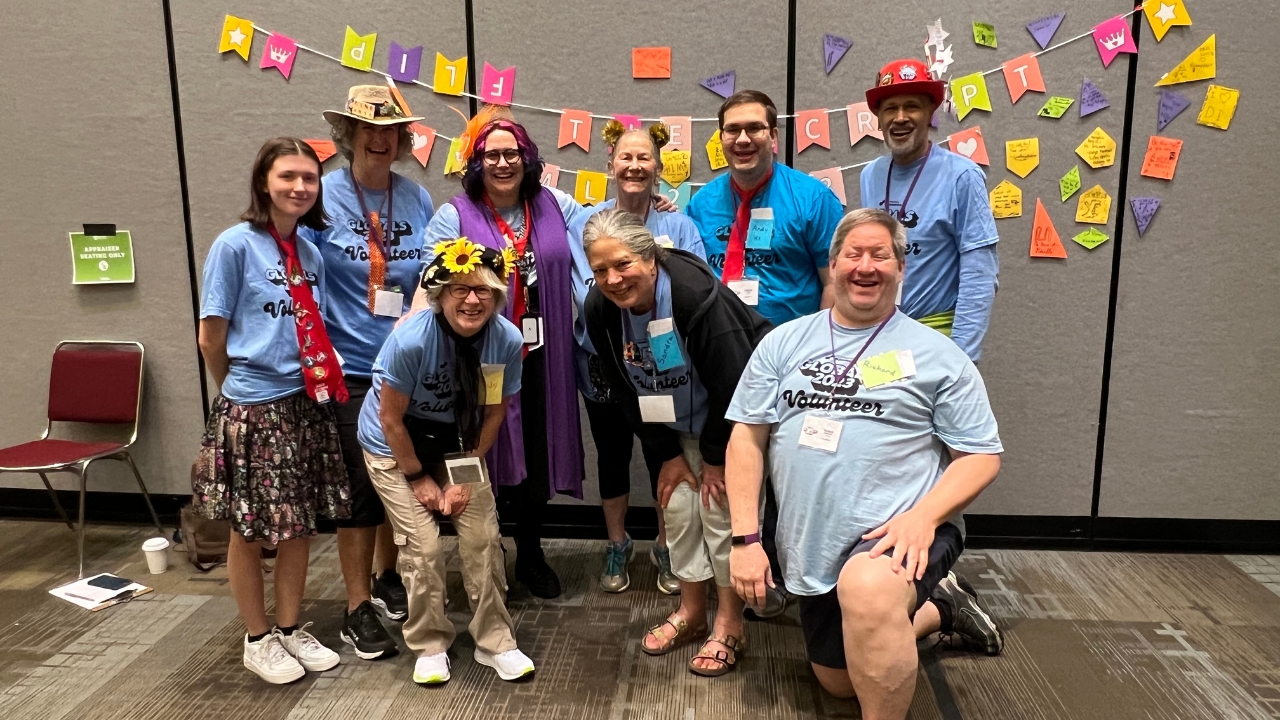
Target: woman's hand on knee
673,472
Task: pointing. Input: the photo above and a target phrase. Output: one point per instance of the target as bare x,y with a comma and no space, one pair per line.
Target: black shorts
366,506
820,617
614,440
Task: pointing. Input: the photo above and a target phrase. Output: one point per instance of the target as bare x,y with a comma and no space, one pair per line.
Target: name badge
387,303
760,231
747,290
531,328
885,368
664,241
493,376
465,470
820,433
664,345
657,408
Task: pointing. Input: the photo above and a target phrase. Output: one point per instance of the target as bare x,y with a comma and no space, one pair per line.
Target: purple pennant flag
1044,28
1144,208
721,84
833,48
403,63
1091,98
1171,105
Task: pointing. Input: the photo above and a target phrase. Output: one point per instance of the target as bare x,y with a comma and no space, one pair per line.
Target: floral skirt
271,469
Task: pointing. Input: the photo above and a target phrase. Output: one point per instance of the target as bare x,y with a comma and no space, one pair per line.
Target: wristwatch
414,477
746,539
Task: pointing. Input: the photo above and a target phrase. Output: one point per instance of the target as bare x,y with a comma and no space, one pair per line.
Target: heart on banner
970,143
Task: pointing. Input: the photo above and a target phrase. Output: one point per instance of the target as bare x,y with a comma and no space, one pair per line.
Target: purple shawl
550,241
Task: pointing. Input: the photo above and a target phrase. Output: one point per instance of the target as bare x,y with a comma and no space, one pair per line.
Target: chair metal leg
56,503
84,472
145,495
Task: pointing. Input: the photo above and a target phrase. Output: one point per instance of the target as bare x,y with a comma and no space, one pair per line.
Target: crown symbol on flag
280,54
1111,42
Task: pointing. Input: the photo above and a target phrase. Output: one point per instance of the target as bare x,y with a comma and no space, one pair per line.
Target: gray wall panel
1195,385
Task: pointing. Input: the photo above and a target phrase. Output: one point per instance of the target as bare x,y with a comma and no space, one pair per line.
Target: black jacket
720,333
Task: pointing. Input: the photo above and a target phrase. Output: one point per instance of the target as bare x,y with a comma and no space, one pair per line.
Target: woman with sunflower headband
442,385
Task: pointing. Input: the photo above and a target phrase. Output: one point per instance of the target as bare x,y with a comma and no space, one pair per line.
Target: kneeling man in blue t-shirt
879,432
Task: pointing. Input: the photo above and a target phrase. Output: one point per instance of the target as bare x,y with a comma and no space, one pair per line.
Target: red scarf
320,369
735,256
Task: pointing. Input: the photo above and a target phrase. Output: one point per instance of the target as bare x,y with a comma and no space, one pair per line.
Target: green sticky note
1055,106
984,34
882,369
101,259
1070,183
1091,238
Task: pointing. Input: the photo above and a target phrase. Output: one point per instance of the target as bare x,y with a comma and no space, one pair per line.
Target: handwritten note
1144,208
1172,103
1091,238
1069,183
1055,106
1099,150
1201,64
984,34
1006,200
1162,157
722,84
715,152
1044,28
1091,98
1045,242
651,63
675,166
1219,107
1094,206
833,48
1022,156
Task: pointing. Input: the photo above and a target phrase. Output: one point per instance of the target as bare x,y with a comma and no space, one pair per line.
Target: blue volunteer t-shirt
893,443
356,332
805,215
948,213
680,381
245,282
417,360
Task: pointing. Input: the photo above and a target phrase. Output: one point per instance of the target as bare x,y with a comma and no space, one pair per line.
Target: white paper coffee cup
157,551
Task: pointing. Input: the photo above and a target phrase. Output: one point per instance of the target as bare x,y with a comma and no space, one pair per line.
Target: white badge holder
657,408
465,469
747,290
388,304
821,433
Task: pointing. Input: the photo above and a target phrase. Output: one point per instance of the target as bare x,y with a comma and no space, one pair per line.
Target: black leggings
525,504
614,442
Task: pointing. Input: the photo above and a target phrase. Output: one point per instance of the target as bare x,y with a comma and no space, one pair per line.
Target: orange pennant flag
1022,74
1045,242
324,148
423,139
812,128
575,129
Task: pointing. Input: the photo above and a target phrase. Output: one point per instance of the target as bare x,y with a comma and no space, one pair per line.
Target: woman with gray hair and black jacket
673,343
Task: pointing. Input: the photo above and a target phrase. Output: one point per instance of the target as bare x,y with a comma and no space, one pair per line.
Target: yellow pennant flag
1201,64
453,163
237,34
451,75
591,187
970,93
357,50
1164,15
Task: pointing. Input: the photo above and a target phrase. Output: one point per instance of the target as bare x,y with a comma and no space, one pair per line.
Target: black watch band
746,539
417,476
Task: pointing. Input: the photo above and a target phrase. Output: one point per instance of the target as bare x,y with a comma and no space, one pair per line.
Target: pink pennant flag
630,122
279,54
423,139
862,123
1113,37
497,85
812,128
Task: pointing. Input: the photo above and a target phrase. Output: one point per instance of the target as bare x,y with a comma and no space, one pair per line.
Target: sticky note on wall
651,63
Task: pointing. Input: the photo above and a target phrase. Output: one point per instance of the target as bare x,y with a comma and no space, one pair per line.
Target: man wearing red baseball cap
941,198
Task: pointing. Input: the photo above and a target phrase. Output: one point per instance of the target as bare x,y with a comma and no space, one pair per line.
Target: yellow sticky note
1094,206
453,163
1219,107
1022,156
451,75
1006,200
591,187
357,50
885,368
1201,64
675,166
237,35
1164,14
715,152
1099,150
970,93
493,377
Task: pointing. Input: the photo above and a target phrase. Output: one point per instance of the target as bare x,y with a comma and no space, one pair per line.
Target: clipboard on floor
100,591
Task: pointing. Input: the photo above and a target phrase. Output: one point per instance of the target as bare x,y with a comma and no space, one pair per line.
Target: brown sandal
682,635
728,660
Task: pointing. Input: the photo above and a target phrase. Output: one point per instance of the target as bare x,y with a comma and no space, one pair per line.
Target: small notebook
100,591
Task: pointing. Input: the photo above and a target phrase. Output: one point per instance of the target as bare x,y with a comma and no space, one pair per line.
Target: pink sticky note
279,54
423,140
630,122
834,179
1113,37
681,127
550,175
575,129
862,123
812,128
497,85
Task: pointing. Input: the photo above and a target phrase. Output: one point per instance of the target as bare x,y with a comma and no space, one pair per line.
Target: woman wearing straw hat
371,254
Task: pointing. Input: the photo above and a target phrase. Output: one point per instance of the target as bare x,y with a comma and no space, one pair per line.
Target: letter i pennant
237,34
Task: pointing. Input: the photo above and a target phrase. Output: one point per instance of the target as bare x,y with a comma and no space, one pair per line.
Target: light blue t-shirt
357,333
245,282
893,443
680,381
948,213
417,360
805,215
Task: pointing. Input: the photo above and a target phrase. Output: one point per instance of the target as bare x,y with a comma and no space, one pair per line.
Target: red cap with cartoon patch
905,77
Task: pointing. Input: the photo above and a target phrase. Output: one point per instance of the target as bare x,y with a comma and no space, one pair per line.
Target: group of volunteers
801,380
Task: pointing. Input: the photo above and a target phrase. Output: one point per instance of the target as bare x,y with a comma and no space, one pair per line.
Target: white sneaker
510,665
308,651
271,661
431,669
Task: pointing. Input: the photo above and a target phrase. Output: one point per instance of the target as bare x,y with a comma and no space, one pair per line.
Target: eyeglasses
731,132
462,292
511,155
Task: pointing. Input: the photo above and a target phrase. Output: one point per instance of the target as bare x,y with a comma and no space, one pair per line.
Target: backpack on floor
206,540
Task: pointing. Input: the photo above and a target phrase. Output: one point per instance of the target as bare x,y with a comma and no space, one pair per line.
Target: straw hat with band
374,104
905,77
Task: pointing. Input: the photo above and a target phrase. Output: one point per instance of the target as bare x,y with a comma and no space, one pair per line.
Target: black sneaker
969,622
390,597
532,570
362,630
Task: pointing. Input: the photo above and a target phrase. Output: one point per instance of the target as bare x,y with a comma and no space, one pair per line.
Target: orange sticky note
1022,74
1045,242
575,129
651,62
812,128
324,148
1162,157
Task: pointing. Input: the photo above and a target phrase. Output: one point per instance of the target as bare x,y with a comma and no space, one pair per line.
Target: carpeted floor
1087,636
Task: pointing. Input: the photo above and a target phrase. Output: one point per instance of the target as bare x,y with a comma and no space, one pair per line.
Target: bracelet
417,476
746,539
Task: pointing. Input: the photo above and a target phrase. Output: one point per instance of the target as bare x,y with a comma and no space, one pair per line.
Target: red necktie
736,254
320,369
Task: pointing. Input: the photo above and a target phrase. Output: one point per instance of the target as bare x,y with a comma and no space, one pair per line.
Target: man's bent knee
870,591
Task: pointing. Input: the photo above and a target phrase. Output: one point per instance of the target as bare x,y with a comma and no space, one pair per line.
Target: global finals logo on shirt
400,229
828,392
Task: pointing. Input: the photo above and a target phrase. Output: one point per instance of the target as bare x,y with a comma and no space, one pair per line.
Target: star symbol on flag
237,37
941,62
1167,13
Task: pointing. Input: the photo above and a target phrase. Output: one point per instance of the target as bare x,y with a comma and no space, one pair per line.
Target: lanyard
518,243
839,377
888,178
375,232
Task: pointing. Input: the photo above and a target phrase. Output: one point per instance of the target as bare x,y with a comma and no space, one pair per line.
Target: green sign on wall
101,259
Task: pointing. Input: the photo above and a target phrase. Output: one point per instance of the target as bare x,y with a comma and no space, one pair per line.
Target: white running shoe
510,665
308,651
269,660
431,669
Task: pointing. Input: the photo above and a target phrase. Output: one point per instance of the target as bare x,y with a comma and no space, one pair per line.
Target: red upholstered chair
93,382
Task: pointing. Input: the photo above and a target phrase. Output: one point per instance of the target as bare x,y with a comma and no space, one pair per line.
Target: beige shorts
699,538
